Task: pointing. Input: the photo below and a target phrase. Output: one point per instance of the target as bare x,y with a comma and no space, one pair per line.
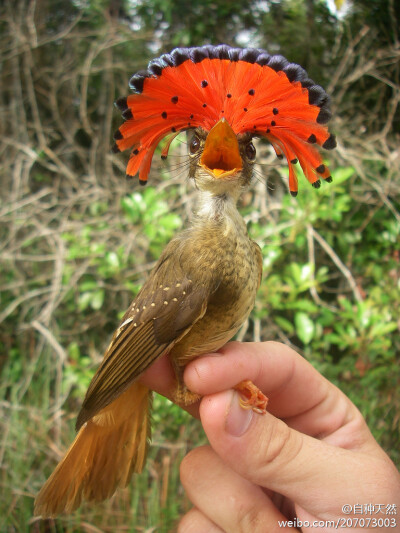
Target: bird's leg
252,397
182,395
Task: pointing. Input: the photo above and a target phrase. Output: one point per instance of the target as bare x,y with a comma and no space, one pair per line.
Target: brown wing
259,259
165,309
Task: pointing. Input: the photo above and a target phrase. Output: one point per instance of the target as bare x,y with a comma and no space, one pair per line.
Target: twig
242,331
257,330
311,260
338,262
62,357
23,298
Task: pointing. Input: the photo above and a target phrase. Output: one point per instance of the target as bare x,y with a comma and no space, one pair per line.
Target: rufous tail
105,453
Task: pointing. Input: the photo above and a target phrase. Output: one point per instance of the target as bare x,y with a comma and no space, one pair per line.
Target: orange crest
255,92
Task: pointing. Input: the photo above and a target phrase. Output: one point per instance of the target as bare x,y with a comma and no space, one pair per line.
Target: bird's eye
194,145
250,151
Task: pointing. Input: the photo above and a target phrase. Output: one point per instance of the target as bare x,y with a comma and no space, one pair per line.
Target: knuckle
282,447
250,519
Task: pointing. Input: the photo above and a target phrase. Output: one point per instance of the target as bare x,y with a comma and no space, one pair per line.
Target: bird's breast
235,262
240,272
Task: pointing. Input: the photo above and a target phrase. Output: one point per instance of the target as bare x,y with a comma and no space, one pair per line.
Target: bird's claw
252,397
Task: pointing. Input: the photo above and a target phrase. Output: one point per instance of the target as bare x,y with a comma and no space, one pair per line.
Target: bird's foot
183,396
252,397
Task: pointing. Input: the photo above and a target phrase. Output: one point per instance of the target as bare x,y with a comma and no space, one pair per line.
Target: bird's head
226,96
220,160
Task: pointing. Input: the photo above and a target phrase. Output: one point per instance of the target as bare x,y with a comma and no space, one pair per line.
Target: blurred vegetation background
77,240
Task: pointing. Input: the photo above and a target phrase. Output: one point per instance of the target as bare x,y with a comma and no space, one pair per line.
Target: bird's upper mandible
221,156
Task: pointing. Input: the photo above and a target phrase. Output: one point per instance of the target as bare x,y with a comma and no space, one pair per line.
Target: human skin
310,455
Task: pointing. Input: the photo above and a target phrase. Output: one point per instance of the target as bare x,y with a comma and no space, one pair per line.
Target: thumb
266,451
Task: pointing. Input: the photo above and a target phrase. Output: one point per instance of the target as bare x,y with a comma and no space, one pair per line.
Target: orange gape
204,284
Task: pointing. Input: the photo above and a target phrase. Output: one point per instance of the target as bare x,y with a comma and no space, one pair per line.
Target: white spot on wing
122,326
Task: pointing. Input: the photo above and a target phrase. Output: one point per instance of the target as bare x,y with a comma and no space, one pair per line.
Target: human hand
306,459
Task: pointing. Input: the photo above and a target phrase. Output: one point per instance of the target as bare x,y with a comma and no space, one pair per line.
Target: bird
204,284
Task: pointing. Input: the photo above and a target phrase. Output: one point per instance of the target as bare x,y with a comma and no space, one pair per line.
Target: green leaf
88,285
97,299
342,174
84,300
383,328
134,205
304,327
285,324
93,299
74,351
113,260
170,222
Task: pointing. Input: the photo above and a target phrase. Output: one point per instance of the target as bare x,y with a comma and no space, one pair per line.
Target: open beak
221,156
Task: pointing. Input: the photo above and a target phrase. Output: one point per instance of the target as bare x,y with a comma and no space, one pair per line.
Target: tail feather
107,450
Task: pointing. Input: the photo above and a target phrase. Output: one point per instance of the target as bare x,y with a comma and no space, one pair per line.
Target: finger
228,500
291,383
297,392
315,475
160,378
196,522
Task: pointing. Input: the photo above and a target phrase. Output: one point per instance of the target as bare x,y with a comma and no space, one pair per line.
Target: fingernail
237,419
